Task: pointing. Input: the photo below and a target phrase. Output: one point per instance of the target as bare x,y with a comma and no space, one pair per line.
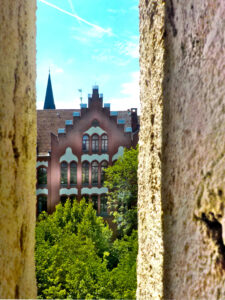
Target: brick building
74,146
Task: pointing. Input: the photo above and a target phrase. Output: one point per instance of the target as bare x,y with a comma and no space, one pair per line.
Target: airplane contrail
77,17
71,5
72,8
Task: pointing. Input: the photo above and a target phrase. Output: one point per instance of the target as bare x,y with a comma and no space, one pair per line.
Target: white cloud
87,34
130,90
132,87
134,7
54,69
96,33
106,56
43,70
70,61
129,48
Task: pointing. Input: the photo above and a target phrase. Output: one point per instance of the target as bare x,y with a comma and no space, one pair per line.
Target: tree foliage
121,180
76,258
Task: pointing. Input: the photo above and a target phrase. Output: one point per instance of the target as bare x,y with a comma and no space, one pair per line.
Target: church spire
49,99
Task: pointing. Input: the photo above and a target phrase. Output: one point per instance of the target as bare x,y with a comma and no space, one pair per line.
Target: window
64,168
72,198
42,176
104,165
95,123
73,173
63,199
85,143
41,203
103,205
85,173
94,199
104,143
95,143
94,173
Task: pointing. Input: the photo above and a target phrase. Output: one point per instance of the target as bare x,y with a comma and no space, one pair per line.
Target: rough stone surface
17,148
190,90
150,256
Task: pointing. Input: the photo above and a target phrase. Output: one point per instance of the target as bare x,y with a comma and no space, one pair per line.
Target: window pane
94,199
42,203
104,165
95,143
104,143
85,143
42,176
73,173
64,167
103,205
94,173
85,173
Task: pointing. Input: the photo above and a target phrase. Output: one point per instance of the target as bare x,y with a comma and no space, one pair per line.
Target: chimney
134,120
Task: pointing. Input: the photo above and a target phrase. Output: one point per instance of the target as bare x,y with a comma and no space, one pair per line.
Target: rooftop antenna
81,98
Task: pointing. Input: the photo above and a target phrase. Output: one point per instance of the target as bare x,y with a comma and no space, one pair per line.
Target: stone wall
150,256
182,150
17,148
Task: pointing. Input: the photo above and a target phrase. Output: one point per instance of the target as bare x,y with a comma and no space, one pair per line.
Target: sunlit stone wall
182,150
17,148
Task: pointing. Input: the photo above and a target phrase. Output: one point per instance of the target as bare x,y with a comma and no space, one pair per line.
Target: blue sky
88,42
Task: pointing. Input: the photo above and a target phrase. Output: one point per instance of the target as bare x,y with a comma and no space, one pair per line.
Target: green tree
71,245
74,255
123,276
121,180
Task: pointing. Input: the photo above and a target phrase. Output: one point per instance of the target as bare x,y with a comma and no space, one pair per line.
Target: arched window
85,173
94,199
41,203
64,167
95,123
73,173
104,165
95,143
42,176
103,205
85,143
104,143
94,173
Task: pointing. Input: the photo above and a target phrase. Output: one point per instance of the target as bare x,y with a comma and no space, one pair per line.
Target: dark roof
49,99
49,121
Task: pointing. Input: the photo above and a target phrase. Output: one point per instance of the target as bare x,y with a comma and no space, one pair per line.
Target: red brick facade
73,148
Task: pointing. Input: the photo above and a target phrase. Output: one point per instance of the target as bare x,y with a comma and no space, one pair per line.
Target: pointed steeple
49,99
